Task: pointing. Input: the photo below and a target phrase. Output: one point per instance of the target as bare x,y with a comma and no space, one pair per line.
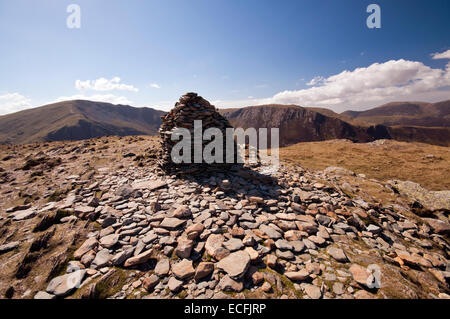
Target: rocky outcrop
429,200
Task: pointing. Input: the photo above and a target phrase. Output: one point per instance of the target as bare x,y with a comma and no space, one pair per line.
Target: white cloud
108,98
316,80
366,87
443,55
155,86
103,84
13,102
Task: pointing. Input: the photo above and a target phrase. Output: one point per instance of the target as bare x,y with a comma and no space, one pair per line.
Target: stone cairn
189,108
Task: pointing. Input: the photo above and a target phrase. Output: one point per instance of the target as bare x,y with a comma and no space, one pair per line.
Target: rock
23,214
229,284
255,276
184,247
297,246
43,295
102,258
214,248
174,284
88,245
254,255
171,223
283,244
271,232
338,254
313,268
284,254
414,260
148,185
236,264
317,240
74,265
233,244
139,259
194,230
266,287
121,257
108,221
63,285
360,274
374,229
109,241
149,237
162,267
150,282
88,258
298,275
183,269
125,191
313,291
9,246
17,207
338,288
204,269
430,200
339,171
271,261
181,211
438,226
362,294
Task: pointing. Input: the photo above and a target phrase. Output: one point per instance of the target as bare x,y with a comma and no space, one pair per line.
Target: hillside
76,120
298,124
118,227
405,114
80,119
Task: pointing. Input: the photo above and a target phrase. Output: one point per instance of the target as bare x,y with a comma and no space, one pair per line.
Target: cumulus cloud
13,102
103,84
316,81
155,86
367,87
108,98
443,55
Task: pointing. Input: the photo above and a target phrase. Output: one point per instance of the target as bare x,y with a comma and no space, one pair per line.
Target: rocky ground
98,219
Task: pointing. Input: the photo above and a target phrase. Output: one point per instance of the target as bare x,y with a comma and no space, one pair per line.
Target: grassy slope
400,160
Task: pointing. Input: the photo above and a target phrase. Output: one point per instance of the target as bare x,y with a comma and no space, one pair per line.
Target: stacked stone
188,109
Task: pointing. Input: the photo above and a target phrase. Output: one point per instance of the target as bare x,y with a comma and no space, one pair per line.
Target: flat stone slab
139,259
183,269
148,184
23,214
171,223
269,231
338,254
235,264
9,246
63,285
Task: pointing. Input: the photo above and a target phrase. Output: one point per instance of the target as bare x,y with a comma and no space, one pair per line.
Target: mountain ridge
83,119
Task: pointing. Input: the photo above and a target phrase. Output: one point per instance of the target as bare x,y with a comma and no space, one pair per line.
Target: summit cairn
188,109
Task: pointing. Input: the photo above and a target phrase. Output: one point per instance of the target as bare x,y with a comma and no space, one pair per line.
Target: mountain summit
76,120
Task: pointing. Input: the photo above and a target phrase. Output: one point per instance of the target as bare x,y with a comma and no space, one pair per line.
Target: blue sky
232,52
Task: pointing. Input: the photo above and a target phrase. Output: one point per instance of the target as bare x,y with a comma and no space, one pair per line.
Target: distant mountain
405,114
299,124
76,120
80,119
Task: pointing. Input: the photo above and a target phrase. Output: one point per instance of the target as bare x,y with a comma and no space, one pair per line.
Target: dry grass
389,160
